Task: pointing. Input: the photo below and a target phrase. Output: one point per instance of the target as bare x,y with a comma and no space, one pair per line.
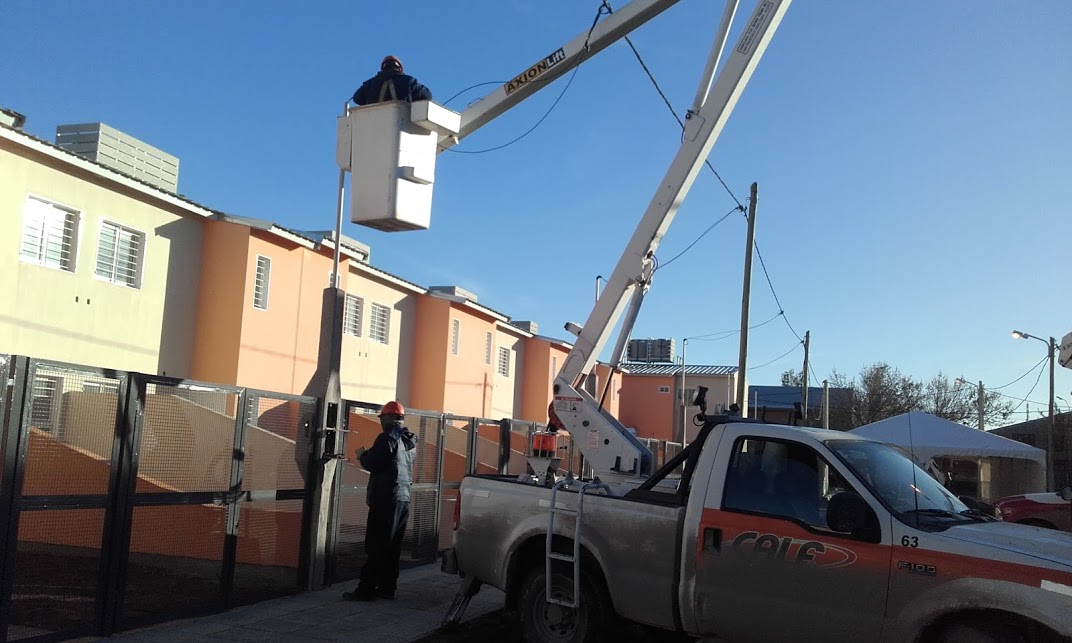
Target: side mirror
847,512
1066,493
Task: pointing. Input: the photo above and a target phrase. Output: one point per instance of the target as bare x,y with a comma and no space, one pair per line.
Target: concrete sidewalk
424,594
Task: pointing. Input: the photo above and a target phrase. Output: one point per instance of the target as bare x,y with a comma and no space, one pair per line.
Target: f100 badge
917,568
793,550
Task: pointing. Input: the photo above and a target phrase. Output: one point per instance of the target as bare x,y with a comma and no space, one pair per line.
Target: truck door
768,567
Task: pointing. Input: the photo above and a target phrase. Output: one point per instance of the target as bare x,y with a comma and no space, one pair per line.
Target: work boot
386,594
360,594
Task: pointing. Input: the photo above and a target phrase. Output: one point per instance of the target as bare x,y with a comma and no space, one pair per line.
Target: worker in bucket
391,84
390,463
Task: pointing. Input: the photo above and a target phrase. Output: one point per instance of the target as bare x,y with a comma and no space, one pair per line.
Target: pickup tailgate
636,544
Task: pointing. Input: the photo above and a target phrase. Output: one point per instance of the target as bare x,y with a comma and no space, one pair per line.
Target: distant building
1034,433
776,404
651,401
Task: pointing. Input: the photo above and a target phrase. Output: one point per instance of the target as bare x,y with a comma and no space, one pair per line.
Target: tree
792,378
960,402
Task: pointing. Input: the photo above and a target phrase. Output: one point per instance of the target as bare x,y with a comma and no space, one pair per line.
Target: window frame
455,336
76,235
359,307
489,347
664,390
139,264
267,281
500,368
373,336
849,479
54,403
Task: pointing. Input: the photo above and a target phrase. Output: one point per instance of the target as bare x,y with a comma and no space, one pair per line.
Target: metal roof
675,369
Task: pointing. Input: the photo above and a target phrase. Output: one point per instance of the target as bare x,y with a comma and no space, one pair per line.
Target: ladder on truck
575,558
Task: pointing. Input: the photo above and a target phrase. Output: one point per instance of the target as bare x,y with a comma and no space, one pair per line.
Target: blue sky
913,159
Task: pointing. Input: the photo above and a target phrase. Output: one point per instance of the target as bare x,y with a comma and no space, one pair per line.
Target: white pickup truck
760,532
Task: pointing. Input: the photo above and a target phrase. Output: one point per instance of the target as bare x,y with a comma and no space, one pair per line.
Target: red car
1050,510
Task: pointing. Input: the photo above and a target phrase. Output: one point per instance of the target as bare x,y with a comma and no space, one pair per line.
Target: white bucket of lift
390,150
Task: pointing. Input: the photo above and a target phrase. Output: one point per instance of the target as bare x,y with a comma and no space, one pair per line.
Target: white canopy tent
1013,468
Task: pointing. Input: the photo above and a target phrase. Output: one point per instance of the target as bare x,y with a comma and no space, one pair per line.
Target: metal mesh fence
269,539
277,443
187,439
520,438
57,567
71,429
487,447
175,563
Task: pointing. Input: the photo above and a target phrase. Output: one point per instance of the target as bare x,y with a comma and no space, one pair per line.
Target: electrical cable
752,368
727,333
1037,380
603,9
490,82
673,112
766,274
1029,371
697,240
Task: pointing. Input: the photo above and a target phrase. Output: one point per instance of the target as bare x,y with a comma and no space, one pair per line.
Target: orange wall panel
221,302
645,409
431,345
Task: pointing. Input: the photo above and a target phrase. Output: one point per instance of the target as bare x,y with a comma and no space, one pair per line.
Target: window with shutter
380,324
261,282
119,254
49,234
352,315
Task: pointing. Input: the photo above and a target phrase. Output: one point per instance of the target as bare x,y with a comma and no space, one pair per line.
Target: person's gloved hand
359,453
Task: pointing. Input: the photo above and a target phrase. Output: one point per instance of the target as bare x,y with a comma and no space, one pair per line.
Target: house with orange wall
259,312
651,397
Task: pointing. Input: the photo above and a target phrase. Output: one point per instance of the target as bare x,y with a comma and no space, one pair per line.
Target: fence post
230,534
505,425
14,382
330,523
439,479
474,438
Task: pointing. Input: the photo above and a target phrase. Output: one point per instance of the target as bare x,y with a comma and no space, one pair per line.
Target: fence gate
350,511
131,499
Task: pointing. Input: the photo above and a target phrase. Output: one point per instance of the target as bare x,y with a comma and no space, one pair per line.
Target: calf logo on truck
793,550
534,72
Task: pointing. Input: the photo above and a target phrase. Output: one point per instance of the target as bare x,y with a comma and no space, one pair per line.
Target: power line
697,240
752,368
763,265
673,112
1029,371
728,333
603,9
1037,380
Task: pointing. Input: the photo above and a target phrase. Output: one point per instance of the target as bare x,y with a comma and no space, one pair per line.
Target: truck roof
812,432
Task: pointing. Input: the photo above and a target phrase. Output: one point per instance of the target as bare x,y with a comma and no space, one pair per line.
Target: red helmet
392,408
391,62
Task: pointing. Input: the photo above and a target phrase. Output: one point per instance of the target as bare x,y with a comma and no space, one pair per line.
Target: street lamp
598,277
982,399
1051,348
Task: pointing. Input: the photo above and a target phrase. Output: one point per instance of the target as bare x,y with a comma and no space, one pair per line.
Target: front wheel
543,622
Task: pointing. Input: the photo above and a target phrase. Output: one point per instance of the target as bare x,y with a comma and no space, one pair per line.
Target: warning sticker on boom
534,72
567,404
751,32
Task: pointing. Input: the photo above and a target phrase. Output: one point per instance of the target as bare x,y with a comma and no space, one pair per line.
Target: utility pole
1053,420
826,404
804,380
750,241
982,404
684,397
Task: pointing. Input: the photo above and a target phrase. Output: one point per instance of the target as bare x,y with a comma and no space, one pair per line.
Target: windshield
900,484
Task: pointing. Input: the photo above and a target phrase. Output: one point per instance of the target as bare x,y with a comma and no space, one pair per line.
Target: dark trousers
383,545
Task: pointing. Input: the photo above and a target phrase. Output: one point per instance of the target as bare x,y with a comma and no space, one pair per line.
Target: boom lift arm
610,448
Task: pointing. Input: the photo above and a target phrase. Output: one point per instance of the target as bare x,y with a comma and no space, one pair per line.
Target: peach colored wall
645,409
219,306
467,388
613,400
431,347
270,355
536,377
